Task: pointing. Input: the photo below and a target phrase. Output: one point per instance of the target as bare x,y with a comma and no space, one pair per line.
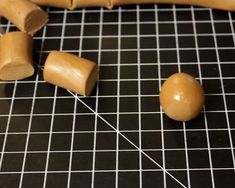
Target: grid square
230,102
147,16
224,178
149,87
128,42
63,123
196,139
92,17
3,123
211,105
19,124
150,104
128,29
105,141
148,42
205,41
72,30
188,56
51,44
33,180
107,105
108,29
129,179
80,179
59,161
82,161
204,28
19,107
128,88
110,16
225,41
150,122
83,141
209,70
128,72
85,122
216,120
221,158
212,86
40,123
91,30
226,55
64,105
128,16
226,70
174,139
148,56
38,142
228,85
198,159
202,15
147,164
73,17
43,106
147,29
24,90
168,70
44,90
6,89
148,177
10,180
125,163
104,179
124,144
201,178
53,31
109,57
109,43
60,141
108,72
172,159
149,71
165,28
207,56
103,126
151,140
90,43
15,142
105,161
128,122
61,180
129,104
219,139
222,27
12,162
35,162
186,42
191,69
184,28
165,16
168,56
167,42
71,43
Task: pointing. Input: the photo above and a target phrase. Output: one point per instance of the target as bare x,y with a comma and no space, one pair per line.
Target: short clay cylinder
16,56
27,16
54,3
70,72
91,3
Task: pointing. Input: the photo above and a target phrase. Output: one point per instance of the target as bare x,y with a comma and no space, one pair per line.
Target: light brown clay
54,3
90,3
228,5
16,56
70,72
181,97
27,16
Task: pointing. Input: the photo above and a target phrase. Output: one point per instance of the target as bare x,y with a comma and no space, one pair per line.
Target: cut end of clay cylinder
16,72
70,72
35,21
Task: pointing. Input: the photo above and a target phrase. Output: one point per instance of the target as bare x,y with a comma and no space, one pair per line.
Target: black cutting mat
48,138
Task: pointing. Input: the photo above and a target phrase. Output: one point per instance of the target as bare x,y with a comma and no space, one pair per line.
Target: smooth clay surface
70,72
27,16
16,56
54,3
181,97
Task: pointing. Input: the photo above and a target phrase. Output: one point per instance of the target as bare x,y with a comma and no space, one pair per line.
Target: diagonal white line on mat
140,150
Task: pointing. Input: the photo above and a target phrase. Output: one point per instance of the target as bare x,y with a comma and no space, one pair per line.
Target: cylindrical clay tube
16,56
91,3
54,3
27,16
70,72
228,5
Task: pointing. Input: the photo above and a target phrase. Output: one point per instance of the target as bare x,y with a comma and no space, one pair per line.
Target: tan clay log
217,4
70,72
90,3
27,16
16,56
54,3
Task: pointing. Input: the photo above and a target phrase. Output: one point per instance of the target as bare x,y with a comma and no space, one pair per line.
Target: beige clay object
217,4
16,56
181,97
70,72
54,3
91,3
27,16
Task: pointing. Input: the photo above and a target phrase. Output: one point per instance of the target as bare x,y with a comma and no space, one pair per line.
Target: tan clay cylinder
228,5
54,3
16,56
91,3
70,72
27,16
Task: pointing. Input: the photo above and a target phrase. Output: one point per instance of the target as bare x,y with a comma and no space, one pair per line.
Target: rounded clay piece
181,97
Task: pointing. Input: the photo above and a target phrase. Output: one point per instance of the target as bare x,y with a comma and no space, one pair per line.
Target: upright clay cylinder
27,16
70,72
16,56
54,3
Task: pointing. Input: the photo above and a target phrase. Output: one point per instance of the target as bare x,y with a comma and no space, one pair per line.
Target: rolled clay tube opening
16,72
70,72
35,21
